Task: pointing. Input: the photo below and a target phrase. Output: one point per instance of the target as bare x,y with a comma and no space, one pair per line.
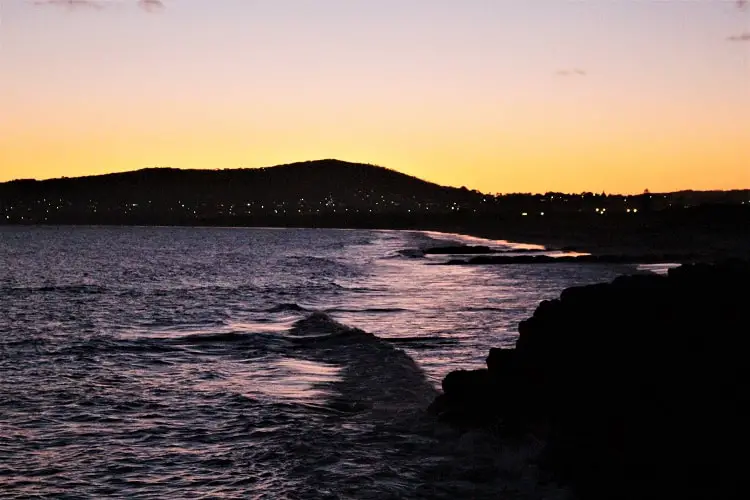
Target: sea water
252,363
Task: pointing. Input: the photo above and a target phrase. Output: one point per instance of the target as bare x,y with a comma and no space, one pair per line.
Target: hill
332,193
312,187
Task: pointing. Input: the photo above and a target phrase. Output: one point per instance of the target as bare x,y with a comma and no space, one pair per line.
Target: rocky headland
635,387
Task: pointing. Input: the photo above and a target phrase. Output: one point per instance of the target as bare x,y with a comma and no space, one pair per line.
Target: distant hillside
332,193
306,185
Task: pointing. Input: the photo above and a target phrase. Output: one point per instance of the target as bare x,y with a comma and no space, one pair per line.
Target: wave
422,341
358,289
216,338
257,343
337,407
285,307
374,373
64,289
185,344
319,327
378,400
367,310
113,345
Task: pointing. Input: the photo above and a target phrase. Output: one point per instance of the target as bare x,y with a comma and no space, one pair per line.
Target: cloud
151,5
572,72
742,37
147,5
72,4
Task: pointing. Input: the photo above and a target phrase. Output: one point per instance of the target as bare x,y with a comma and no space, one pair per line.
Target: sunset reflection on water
209,362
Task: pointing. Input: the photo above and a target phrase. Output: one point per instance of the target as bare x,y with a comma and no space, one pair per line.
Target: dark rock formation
464,401
637,386
459,250
479,250
578,259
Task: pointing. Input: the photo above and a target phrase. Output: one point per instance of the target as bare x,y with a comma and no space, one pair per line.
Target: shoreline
704,241
700,245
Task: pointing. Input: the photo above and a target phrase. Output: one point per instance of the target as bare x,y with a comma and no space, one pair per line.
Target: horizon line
367,164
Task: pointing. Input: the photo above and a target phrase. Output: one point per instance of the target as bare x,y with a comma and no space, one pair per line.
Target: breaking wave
286,307
186,362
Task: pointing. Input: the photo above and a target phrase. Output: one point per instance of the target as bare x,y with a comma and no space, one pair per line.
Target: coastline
708,240
702,243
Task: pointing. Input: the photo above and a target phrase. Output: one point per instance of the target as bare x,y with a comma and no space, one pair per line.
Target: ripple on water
189,362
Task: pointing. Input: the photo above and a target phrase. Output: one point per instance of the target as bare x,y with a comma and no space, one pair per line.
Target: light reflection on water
161,361
657,268
300,379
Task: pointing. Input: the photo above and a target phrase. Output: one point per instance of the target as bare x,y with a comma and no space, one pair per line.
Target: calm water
250,363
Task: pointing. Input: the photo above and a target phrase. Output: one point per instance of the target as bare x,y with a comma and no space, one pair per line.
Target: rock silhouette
459,249
637,386
652,258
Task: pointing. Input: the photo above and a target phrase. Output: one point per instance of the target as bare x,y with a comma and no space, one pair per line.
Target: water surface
250,363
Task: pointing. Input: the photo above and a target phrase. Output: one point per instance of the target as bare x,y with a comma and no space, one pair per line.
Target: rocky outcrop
578,259
637,386
459,250
475,250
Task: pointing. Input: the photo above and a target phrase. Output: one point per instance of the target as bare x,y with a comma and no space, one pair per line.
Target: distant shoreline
704,240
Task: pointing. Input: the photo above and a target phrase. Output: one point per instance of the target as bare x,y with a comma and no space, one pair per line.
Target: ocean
253,363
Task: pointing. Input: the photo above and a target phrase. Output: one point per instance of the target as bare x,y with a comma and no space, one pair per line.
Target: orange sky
497,95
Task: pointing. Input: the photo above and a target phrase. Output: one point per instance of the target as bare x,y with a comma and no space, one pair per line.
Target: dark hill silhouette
333,193
297,185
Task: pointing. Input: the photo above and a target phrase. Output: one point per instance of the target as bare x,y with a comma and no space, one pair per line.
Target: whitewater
253,363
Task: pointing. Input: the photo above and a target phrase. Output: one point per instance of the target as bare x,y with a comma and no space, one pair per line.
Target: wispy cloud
147,5
151,5
571,72
72,4
742,37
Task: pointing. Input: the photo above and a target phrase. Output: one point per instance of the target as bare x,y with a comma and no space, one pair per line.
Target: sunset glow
496,95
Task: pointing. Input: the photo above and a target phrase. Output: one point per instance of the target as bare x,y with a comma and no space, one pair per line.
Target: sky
496,95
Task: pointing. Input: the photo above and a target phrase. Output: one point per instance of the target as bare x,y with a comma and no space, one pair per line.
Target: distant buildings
67,209
303,192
